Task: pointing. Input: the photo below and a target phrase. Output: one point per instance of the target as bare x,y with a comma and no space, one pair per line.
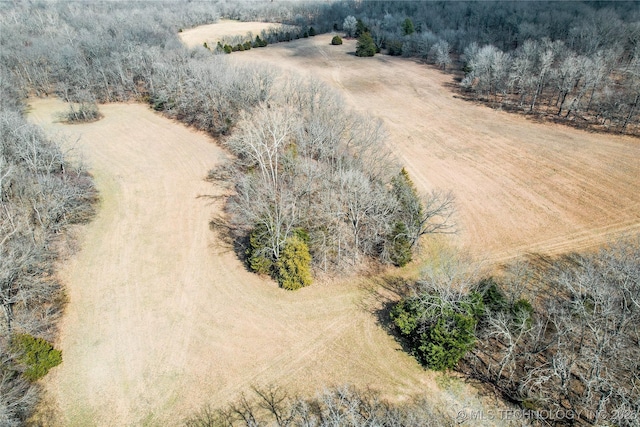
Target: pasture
224,28
520,186
163,317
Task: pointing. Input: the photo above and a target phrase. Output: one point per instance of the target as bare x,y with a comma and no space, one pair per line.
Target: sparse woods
575,347
599,87
340,406
41,193
314,176
573,62
552,335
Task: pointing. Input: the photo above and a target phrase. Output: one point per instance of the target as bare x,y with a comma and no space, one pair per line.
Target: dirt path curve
161,317
520,186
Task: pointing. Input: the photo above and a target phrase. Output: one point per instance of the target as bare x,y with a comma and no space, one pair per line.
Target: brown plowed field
520,186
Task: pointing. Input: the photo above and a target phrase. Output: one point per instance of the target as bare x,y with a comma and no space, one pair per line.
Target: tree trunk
633,108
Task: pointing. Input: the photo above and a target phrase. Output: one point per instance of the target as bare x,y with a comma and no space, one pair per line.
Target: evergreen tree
439,332
37,355
365,45
361,28
410,205
293,267
400,252
407,27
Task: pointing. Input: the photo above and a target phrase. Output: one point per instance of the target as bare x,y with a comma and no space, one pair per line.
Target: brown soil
520,186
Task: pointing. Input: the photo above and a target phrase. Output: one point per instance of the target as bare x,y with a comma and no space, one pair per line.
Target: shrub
492,296
365,46
448,341
36,354
522,312
258,255
394,47
439,332
336,40
312,31
83,112
228,48
293,267
259,42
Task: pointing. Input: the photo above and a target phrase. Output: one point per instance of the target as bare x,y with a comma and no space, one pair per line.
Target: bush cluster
337,406
83,112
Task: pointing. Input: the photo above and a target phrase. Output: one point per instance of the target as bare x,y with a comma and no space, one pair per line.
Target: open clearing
224,28
520,186
162,317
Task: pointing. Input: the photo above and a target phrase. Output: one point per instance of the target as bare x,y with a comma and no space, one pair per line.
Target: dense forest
314,189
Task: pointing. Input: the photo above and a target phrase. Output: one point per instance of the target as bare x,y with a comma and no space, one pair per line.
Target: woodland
314,191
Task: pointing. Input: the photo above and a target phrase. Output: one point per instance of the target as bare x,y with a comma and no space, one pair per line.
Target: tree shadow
230,241
384,292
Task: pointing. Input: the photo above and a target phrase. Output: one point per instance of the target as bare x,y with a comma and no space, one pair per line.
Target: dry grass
225,28
162,317
521,186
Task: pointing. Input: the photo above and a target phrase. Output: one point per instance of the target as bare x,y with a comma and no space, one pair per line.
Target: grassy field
163,317
224,28
520,186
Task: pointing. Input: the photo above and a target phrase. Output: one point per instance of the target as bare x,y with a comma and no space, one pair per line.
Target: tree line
578,62
337,406
41,193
